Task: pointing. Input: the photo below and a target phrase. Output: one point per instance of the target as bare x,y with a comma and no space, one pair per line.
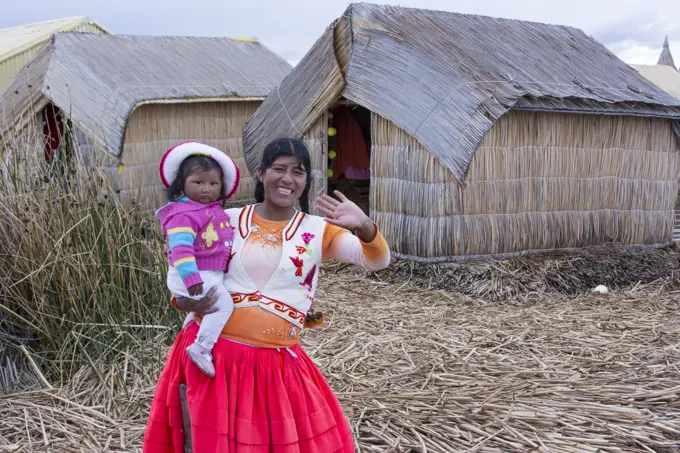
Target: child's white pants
212,324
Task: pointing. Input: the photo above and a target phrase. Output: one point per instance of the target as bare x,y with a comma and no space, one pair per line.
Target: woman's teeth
284,191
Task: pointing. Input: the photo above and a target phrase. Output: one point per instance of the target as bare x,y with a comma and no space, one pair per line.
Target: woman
267,396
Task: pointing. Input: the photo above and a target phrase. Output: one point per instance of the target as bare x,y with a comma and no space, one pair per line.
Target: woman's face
284,181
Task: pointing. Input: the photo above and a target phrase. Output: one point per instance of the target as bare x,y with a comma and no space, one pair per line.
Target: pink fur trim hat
174,157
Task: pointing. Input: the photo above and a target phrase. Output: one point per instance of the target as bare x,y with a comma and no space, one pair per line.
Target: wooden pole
185,418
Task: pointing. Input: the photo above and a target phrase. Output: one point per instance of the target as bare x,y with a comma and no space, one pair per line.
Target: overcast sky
633,29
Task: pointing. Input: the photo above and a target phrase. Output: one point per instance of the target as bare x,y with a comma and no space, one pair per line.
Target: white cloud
637,54
633,53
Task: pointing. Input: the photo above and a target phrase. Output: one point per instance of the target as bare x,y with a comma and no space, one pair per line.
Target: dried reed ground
420,370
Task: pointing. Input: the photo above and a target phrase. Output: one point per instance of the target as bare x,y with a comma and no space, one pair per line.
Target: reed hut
665,77
122,101
486,136
19,44
664,74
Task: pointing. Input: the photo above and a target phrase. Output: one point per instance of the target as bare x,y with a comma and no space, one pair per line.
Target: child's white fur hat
174,157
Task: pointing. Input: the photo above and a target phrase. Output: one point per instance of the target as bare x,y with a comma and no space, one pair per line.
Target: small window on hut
349,153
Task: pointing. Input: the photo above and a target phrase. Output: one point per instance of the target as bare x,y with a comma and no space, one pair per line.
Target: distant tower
666,58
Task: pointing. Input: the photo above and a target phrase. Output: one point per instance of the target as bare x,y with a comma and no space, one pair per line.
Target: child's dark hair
188,167
284,147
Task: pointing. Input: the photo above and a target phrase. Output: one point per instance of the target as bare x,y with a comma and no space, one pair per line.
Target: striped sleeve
181,232
339,244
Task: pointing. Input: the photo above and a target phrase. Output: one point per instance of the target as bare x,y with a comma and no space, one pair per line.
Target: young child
199,234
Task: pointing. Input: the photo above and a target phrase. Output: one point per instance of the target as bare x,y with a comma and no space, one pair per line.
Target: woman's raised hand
346,214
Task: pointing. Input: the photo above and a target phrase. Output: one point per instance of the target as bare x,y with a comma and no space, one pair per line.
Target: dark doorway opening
349,153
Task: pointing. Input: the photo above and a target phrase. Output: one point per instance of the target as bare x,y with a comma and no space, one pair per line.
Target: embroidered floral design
305,249
292,334
298,263
210,235
271,238
309,279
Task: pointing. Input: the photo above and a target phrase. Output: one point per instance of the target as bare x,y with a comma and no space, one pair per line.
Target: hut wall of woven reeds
153,128
538,181
489,137
316,139
129,98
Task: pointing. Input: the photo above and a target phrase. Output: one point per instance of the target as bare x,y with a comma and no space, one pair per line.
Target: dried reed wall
316,139
538,181
153,128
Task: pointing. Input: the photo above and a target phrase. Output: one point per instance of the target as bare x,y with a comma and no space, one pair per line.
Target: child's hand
196,290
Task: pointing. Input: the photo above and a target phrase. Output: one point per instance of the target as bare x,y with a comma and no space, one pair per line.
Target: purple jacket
199,238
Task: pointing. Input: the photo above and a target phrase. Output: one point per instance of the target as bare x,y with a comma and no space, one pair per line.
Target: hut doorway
58,141
349,152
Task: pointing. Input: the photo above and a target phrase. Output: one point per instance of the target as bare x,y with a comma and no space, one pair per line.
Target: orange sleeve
329,235
377,249
340,244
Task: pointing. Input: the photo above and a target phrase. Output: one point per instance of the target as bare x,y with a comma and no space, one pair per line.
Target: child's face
203,186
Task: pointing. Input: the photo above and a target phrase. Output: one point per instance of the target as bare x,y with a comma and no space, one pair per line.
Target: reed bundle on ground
570,273
420,370
86,328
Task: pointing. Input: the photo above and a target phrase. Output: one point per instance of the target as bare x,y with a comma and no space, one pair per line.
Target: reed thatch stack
489,136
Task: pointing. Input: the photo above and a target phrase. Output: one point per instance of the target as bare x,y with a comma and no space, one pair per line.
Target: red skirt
260,401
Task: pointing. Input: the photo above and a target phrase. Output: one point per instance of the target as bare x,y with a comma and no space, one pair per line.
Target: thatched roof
445,78
99,79
666,58
17,39
665,77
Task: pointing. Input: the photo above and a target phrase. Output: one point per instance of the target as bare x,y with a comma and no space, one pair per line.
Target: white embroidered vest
290,290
